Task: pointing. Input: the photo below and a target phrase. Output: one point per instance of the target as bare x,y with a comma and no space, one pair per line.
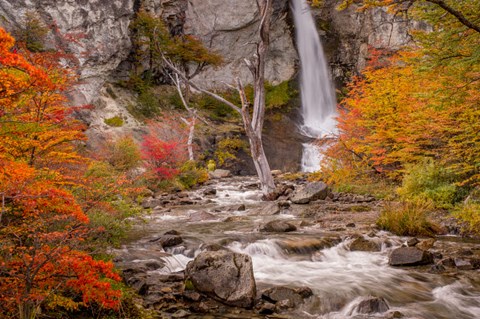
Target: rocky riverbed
222,252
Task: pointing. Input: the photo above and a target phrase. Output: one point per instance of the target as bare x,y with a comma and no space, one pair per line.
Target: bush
115,121
406,219
123,154
470,214
428,181
227,148
190,175
278,96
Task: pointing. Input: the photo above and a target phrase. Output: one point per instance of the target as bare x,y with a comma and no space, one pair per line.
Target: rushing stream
338,277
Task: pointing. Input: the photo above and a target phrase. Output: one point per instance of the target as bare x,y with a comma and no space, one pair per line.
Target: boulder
225,276
308,245
310,192
285,297
362,244
426,244
278,226
410,256
372,305
270,208
210,191
412,242
151,202
219,173
169,240
201,216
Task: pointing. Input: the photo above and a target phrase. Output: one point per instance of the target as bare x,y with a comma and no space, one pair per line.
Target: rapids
339,278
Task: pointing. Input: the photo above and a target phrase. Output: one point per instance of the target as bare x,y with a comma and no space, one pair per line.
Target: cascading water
318,94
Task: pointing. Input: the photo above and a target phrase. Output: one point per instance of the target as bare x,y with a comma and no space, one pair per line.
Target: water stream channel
339,278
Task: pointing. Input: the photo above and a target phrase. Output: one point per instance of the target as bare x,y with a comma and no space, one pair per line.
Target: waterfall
318,94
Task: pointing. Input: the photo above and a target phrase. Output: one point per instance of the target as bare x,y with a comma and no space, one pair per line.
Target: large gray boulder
225,276
310,192
410,256
219,173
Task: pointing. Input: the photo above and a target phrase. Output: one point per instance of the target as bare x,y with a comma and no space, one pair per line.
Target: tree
253,122
42,226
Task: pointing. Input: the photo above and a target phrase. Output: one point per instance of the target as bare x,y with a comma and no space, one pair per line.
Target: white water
318,94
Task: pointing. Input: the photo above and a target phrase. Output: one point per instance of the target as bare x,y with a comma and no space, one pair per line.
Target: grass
406,219
469,213
115,121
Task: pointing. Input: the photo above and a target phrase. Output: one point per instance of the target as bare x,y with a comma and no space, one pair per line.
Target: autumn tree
42,227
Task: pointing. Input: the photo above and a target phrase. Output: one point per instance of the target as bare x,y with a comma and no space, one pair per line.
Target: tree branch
457,14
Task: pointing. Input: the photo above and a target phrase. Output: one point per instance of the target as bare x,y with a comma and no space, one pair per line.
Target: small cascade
318,94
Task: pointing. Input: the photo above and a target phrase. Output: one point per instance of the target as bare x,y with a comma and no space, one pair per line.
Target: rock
310,192
151,202
308,245
266,308
171,232
394,315
372,305
180,314
201,216
362,244
241,207
285,297
447,262
437,269
192,295
350,225
410,256
219,173
278,226
210,191
276,172
463,264
225,276
412,242
169,240
426,244
270,208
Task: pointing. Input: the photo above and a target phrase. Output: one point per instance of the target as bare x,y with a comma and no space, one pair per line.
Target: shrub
191,175
228,147
470,214
115,121
428,181
278,96
406,218
123,154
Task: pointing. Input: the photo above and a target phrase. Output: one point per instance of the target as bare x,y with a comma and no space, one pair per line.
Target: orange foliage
42,227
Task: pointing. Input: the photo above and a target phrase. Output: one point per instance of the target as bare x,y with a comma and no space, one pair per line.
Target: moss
115,121
279,96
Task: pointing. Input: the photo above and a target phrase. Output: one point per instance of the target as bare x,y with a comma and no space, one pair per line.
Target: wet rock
265,308
171,232
362,244
180,314
426,244
447,262
437,269
278,226
310,192
210,191
271,208
225,276
169,240
151,202
308,245
241,207
463,264
410,256
372,305
350,225
394,315
412,242
192,295
201,216
219,173
285,298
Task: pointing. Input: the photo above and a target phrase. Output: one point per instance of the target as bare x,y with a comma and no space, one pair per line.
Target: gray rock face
410,256
278,226
224,276
310,192
230,27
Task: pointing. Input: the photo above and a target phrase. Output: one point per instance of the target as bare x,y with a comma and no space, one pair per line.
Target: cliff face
103,47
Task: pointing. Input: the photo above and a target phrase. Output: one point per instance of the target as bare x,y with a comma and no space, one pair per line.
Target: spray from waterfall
317,92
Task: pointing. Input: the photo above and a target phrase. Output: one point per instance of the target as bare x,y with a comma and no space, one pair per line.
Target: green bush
115,121
227,148
278,96
123,154
191,175
406,219
470,214
428,181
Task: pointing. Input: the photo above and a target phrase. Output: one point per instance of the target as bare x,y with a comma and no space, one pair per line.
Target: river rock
310,192
362,244
201,216
225,276
169,240
210,191
372,305
278,226
426,244
410,256
219,173
307,245
270,208
412,242
151,202
285,297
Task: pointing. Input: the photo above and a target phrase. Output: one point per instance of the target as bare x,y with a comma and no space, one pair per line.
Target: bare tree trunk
191,135
253,123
